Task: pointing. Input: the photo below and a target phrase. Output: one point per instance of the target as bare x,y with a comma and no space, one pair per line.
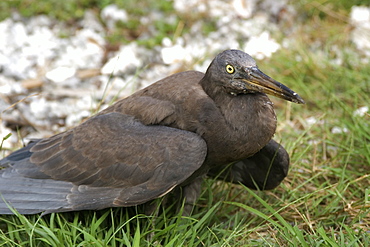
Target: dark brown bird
164,136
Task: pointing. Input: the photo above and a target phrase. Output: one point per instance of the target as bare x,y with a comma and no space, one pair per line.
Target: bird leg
191,193
264,170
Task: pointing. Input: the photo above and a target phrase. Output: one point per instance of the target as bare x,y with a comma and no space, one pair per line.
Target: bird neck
252,111
249,120
212,87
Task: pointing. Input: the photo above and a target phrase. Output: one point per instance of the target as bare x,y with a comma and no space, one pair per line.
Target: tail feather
25,188
40,194
30,196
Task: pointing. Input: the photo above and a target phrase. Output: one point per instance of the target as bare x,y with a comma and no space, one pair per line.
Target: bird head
237,73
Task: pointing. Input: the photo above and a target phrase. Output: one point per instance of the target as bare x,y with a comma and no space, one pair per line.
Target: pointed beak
255,80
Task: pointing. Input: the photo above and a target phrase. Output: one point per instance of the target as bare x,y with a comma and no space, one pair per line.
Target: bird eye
230,69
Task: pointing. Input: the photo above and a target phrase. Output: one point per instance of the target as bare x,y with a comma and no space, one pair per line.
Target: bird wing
110,160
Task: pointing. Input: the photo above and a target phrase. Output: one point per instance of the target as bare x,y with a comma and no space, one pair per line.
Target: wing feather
110,160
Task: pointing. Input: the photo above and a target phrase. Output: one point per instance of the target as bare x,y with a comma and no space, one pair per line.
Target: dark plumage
161,137
263,171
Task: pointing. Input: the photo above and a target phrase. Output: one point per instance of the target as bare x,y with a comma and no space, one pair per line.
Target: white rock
19,34
40,48
311,121
313,142
360,19
5,27
39,21
167,42
125,60
173,54
39,108
339,130
75,118
21,67
183,6
26,47
361,111
84,50
213,8
360,15
244,8
261,46
60,74
111,14
10,86
90,21
273,6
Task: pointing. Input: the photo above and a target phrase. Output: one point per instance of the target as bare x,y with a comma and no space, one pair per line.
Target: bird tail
25,188
29,195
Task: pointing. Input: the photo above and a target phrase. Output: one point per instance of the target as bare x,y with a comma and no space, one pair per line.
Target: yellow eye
230,69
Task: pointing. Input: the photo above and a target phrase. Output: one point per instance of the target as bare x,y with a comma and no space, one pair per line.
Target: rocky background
54,74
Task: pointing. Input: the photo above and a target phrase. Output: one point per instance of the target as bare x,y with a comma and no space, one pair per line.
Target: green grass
324,201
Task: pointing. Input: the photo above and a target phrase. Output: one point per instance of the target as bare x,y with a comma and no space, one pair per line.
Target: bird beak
256,80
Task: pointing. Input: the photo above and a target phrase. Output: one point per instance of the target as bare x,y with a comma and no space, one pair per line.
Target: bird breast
245,125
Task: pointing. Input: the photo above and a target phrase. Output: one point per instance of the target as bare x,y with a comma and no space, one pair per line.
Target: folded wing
110,160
